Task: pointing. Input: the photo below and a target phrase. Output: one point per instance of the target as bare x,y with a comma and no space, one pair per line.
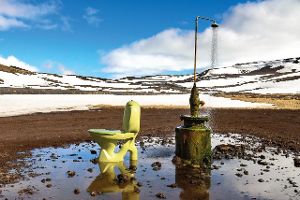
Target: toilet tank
132,117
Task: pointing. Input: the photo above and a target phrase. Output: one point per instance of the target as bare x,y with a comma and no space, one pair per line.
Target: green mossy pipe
193,144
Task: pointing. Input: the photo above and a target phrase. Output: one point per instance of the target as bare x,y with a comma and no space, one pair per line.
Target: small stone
93,194
261,180
93,151
76,191
160,196
297,162
239,174
246,172
132,168
94,161
90,170
215,167
262,157
49,185
173,185
71,173
260,162
156,166
243,165
123,179
139,184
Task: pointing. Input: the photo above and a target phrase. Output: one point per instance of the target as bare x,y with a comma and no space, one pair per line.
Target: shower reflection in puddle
74,173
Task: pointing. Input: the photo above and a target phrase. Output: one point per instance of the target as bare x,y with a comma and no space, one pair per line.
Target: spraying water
214,45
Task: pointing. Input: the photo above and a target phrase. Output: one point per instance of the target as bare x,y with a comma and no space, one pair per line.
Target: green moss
193,144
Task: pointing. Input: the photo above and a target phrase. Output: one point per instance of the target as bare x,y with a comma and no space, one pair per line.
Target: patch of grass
280,101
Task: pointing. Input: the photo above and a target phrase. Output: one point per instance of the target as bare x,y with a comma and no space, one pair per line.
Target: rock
132,168
93,194
297,162
76,191
49,185
243,165
239,174
228,151
173,185
123,179
262,157
156,166
261,162
246,172
93,151
71,173
261,180
216,167
94,161
160,195
139,184
90,170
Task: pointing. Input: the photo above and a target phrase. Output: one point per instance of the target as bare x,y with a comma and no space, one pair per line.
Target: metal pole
195,56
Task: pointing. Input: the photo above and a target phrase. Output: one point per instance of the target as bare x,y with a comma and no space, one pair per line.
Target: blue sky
84,36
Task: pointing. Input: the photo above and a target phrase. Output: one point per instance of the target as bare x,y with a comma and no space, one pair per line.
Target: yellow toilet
108,139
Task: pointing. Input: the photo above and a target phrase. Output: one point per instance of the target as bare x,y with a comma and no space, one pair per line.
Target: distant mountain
264,77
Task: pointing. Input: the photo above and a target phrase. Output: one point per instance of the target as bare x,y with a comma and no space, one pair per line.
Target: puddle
261,173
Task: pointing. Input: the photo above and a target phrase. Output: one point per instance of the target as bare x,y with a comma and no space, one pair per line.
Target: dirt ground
21,133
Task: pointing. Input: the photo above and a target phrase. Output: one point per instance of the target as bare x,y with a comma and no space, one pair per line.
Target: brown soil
21,133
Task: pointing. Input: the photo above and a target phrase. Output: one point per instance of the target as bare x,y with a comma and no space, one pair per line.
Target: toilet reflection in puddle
115,178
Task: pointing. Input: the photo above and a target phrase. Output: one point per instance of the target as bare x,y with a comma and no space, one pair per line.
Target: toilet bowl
109,139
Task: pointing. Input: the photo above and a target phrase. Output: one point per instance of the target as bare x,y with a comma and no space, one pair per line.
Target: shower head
214,25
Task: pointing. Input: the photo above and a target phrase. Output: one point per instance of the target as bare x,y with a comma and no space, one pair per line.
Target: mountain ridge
261,77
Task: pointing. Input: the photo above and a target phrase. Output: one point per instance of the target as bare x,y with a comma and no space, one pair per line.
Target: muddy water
268,174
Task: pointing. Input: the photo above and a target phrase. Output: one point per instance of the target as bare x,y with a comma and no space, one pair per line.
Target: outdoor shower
193,138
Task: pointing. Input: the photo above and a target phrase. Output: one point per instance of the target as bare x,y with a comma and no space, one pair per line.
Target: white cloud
7,23
13,61
57,66
259,30
91,16
21,14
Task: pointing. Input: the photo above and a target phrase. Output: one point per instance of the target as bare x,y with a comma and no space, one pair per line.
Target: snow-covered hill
264,77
